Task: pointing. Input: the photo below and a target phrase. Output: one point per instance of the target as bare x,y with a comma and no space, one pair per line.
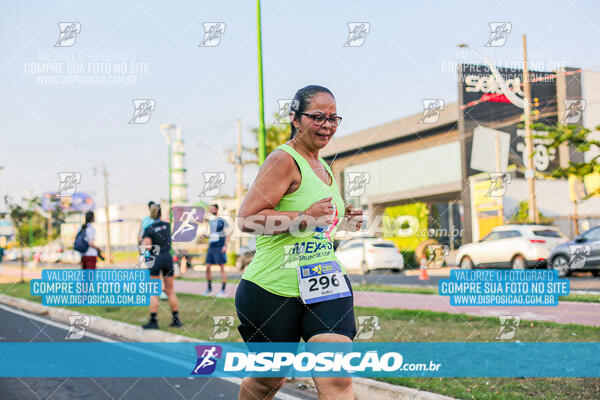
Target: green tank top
270,268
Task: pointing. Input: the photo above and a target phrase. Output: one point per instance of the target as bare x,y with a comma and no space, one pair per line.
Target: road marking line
237,381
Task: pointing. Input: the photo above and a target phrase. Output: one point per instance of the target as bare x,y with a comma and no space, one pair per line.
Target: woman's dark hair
302,100
89,217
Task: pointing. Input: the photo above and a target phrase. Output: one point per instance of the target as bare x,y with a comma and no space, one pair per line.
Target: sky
68,107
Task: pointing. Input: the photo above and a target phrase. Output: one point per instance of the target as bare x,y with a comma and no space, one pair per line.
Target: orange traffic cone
423,276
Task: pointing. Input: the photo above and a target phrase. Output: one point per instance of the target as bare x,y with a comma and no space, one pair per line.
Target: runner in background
217,249
146,222
159,233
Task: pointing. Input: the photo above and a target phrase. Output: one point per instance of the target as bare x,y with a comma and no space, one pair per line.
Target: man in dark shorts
159,233
217,249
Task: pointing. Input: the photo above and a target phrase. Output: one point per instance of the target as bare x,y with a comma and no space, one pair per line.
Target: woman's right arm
257,213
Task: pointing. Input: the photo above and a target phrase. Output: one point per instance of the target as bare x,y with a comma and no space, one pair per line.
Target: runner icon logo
498,34
212,34
213,181
579,253
498,184
77,326
357,33
437,254
222,325
207,359
147,255
291,255
431,110
508,327
69,181
283,117
187,219
142,109
357,183
367,325
68,33
573,111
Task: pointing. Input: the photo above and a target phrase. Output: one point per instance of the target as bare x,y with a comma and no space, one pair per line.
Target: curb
109,327
364,388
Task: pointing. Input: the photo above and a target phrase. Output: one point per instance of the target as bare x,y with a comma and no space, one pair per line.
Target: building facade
428,164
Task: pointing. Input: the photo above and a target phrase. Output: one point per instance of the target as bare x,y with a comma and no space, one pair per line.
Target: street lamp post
262,142
167,132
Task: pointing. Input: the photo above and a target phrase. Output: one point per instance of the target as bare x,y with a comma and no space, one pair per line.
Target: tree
21,218
521,215
577,137
31,226
277,134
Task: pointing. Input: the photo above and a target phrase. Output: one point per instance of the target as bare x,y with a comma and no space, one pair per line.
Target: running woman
274,300
159,233
218,240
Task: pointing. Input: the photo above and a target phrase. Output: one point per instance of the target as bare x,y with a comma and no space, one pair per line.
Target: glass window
390,245
509,234
354,245
594,234
491,236
548,233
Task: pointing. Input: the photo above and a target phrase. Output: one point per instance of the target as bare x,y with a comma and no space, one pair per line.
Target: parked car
579,254
364,254
12,254
70,257
511,246
50,255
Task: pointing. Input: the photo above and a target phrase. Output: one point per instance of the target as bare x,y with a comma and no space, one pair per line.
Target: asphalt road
17,326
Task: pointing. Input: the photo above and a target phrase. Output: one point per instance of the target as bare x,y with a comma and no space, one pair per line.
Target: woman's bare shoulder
278,162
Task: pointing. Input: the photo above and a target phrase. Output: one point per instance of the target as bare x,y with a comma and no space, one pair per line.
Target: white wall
422,168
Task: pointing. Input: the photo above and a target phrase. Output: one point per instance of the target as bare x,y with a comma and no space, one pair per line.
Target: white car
512,246
367,253
70,257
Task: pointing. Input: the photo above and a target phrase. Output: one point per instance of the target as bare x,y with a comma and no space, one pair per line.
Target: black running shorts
267,317
163,263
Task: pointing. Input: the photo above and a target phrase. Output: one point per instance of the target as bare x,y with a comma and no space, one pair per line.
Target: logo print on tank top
325,231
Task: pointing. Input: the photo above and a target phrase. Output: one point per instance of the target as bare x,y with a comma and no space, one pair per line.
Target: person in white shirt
88,259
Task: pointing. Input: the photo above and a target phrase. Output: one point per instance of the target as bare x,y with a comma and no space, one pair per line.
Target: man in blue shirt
217,249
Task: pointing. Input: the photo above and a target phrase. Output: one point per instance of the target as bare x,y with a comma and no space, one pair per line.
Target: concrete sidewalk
566,312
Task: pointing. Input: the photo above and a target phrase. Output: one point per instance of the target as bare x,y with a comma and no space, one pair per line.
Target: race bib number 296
322,281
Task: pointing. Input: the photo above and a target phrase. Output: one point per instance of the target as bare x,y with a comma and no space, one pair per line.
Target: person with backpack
84,243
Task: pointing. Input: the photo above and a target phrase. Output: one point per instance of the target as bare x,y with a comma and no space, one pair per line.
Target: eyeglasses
319,119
